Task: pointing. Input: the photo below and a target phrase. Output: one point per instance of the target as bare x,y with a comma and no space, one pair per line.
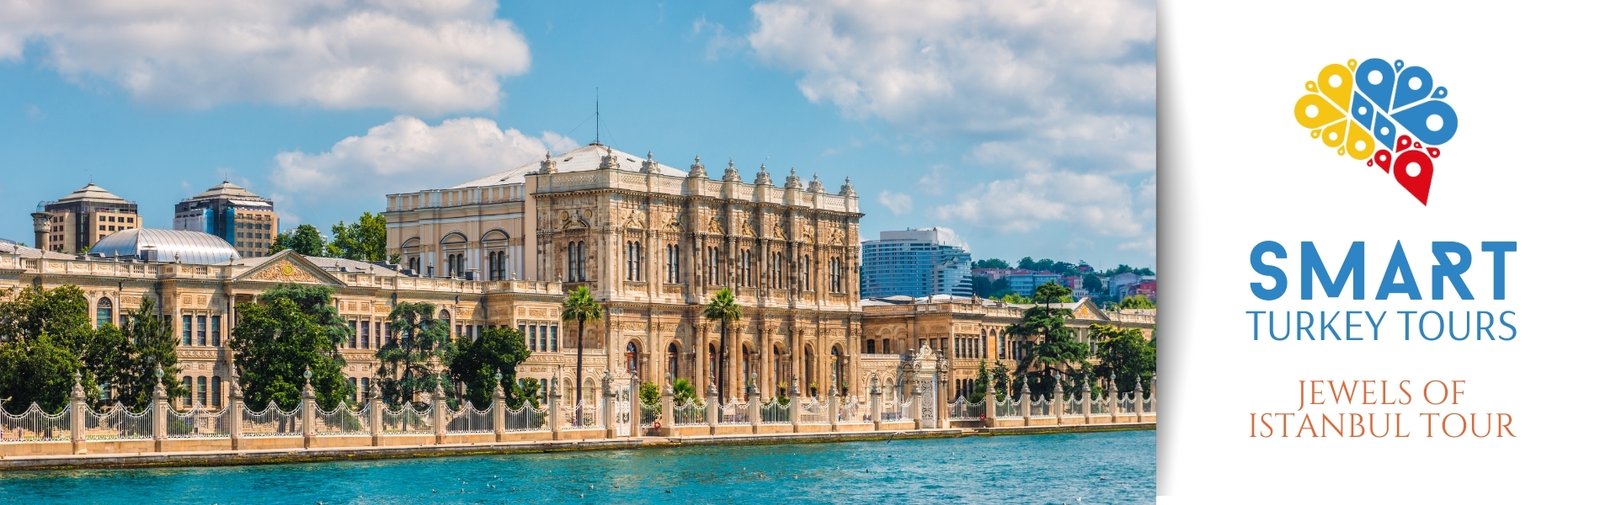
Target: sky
1026,126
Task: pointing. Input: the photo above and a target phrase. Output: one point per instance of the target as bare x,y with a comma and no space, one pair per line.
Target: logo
1388,114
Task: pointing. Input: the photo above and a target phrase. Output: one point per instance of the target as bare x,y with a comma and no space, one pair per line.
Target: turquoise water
1066,468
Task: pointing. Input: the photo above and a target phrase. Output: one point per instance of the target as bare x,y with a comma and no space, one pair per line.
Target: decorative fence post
554,416
235,410
877,406
752,406
669,406
609,408
440,408
76,419
499,409
635,423
1113,398
1027,405
1085,397
1138,400
1058,401
794,403
989,409
375,413
158,413
833,406
1154,407
713,409
308,411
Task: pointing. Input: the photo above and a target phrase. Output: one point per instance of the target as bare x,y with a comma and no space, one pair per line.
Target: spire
793,181
697,170
548,166
762,177
848,189
730,174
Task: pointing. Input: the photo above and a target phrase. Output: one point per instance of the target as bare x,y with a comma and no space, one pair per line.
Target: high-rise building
915,262
243,219
79,220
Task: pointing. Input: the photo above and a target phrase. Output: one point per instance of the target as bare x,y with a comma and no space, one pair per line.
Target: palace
652,242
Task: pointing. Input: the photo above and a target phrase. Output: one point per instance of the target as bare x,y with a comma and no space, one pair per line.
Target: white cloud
1095,203
406,154
1058,94
897,203
415,56
718,41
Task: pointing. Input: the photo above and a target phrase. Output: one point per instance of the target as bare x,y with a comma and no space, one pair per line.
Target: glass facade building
915,262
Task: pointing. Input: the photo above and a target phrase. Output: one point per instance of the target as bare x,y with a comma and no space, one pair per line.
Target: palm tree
725,309
579,306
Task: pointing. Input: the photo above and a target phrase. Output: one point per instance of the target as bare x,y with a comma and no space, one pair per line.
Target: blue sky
1028,127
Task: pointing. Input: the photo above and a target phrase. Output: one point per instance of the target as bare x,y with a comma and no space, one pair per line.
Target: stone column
942,396
1154,402
375,413
713,409
499,409
158,413
877,407
308,411
1138,400
1113,398
76,421
989,409
668,404
235,412
440,408
1085,396
553,415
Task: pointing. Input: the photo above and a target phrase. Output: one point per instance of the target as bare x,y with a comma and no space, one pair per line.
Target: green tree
475,363
364,240
683,391
48,338
1001,377
649,401
982,384
404,363
1050,292
991,263
1092,284
288,330
1136,302
1014,298
143,345
36,371
1125,352
1049,346
1027,263
305,239
580,306
724,309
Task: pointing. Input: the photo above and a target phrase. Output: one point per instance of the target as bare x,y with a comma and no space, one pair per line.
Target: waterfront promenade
161,435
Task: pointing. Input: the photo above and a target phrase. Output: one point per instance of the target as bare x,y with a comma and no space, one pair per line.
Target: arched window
102,312
200,391
583,271
838,370
632,357
872,347
672,360
216,391
188,397
572,261
496,242
886,348
444,315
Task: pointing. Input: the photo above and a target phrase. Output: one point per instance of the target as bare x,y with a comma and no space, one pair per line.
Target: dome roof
166,246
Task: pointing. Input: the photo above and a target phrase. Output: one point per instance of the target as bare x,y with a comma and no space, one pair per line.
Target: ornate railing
34,424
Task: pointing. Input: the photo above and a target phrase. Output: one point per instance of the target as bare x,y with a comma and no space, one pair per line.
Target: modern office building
79,220
241,218
916,263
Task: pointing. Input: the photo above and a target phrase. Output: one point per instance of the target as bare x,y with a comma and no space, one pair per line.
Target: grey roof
577,160
9,247
166,246
326,264
228,190
92,192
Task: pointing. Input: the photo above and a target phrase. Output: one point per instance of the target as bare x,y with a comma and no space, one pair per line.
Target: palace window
632,357
216,330
635,253
200,330
745,279
216,391
805,273
672,265
188,385
713,266
188,330
102,312
497,265
200,391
